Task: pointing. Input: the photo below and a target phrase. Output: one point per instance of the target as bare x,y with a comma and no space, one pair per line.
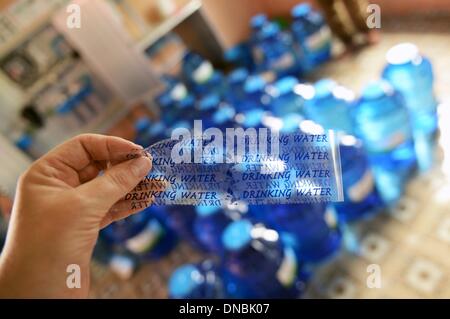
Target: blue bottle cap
234,53
164,100
224,114
285,85
142,124
207,210
169,80
301,10
324,88
184,280
291,123
238,75
24,142
210,101
181,124
157,129
270,29
67,106
253,118
376,90
190,55
254,83
237,234
403,53
187,102
257,21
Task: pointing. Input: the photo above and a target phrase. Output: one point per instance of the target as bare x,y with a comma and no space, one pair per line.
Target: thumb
116,182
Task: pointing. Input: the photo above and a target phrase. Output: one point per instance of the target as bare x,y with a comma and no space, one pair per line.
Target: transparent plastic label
269,169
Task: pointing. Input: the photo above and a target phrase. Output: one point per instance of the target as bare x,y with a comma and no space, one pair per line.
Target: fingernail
147,154
141,166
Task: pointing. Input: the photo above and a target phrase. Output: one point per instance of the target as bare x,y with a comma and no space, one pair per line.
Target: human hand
61,204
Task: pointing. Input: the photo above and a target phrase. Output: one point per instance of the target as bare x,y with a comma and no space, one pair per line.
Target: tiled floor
411,245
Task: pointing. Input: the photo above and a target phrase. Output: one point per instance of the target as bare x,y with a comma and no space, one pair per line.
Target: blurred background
376,72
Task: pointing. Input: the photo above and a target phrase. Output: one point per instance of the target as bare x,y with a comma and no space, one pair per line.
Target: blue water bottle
360,193
149,132
181,219
224,117
196,281
200,75
206,107
329,105
257,23
312,36
167,107
313,226
250,119
241,56
255,95
145,234
383,123
209,224
236,81
284,98
257,265
278,53
411,74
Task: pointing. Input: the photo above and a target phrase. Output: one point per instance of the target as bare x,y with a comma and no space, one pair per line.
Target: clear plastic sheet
271,169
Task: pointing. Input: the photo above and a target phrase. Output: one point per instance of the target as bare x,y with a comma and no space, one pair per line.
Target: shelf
24,34
169,24
50,76
115,111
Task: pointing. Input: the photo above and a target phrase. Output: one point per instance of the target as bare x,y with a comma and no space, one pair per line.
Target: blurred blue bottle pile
382,121
411,74
145,235
312,36
384,133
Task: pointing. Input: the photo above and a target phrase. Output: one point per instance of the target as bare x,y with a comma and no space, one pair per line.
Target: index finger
80,151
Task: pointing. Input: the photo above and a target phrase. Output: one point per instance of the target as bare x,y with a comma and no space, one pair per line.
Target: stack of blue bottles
167,107
181,219
312,36
257,265
196,281
250,119
241,56
149,132
236,81
207,106
411,74
121,262
382,122
277,50
186,124
209,224
312,226
360,193
285,100
145,234
200,76
257,23
224,116
330,106
255,95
